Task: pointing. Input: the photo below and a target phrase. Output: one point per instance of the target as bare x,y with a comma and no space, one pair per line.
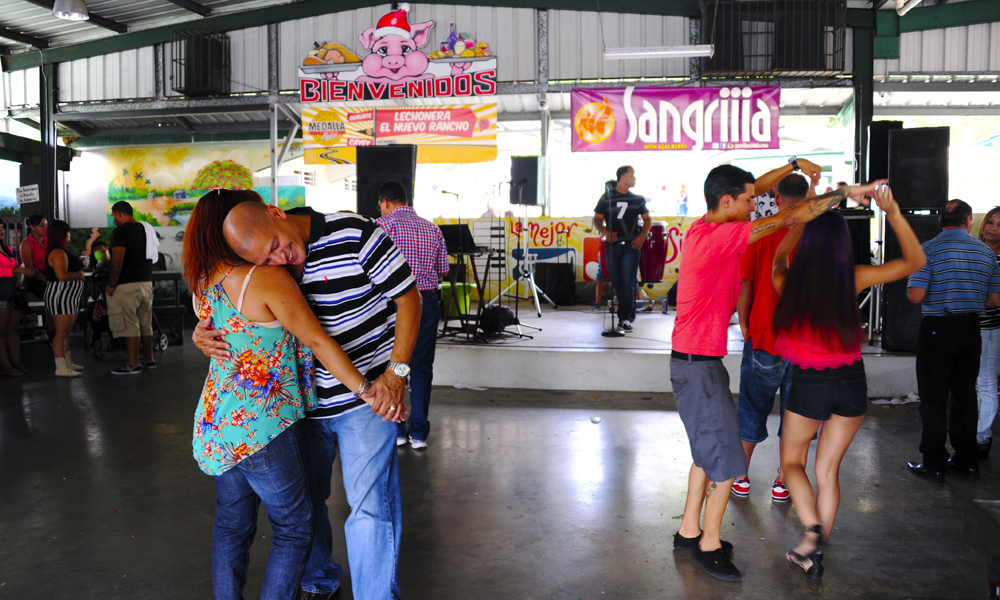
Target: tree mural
224,174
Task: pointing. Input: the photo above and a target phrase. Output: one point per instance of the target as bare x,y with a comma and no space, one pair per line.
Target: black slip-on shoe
684,544
320,596
983,450
970,471
717,564
924,471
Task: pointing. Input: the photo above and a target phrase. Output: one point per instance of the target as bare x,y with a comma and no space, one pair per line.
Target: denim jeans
275,476
422,369
762,375
986,385
623,273
371,481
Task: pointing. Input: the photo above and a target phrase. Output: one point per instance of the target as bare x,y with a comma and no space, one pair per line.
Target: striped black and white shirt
351,273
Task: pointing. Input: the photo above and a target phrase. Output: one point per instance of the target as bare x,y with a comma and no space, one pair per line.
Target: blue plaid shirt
960,271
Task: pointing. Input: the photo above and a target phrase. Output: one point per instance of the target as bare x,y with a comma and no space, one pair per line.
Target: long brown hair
982,226
205,246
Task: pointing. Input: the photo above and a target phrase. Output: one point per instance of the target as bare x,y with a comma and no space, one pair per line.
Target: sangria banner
330,132
568,241
657,118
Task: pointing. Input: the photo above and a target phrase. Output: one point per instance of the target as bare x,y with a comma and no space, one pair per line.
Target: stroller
97,335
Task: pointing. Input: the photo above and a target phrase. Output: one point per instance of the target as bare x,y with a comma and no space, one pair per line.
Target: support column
159,76
864,90
542,50
272,90
694,38
47,187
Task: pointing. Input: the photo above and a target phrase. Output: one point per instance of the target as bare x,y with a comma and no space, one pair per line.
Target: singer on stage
617,218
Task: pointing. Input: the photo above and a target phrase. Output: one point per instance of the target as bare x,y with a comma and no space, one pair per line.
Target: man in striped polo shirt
422,243
365,297
960,280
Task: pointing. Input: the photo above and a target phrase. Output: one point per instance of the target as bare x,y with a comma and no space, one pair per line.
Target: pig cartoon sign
396,66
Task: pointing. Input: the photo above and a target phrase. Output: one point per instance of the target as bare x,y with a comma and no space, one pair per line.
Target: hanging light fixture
660,52
71,10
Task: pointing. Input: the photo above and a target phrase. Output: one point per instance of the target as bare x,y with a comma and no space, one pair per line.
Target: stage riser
615,370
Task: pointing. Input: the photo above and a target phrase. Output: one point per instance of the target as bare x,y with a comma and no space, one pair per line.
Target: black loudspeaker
900,317
859,223
558,281
378,164
878,148
918,167
526,180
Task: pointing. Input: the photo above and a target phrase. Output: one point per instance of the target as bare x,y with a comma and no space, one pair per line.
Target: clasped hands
385,395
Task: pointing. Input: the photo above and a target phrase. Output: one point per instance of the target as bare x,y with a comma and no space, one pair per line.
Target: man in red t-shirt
707,291
763,373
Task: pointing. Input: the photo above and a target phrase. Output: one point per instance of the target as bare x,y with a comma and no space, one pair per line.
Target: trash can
461,306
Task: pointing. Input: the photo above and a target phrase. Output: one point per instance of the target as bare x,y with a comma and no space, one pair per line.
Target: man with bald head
365,296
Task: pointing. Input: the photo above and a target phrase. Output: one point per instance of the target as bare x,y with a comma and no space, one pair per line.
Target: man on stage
617,218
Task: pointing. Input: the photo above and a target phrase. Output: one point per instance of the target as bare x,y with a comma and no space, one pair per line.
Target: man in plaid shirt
423,246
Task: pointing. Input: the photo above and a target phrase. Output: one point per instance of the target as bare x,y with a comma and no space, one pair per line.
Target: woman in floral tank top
245,432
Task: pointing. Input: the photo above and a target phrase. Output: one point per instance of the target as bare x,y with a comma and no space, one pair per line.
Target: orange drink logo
594,122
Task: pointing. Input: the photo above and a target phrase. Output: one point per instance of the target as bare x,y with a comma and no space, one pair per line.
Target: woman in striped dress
62,294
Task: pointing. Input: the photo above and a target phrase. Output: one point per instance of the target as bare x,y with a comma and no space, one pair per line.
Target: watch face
401,369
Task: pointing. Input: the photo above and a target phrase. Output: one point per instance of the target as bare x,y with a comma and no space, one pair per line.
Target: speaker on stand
918,177
378,164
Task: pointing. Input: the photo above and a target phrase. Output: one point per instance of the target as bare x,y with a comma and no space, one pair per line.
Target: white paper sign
26,194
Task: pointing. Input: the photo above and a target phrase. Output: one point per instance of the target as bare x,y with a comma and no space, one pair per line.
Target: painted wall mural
572,241
162,183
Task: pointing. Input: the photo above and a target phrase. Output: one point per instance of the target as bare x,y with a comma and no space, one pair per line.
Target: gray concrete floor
519,495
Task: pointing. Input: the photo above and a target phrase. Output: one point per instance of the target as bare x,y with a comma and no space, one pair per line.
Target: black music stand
460,244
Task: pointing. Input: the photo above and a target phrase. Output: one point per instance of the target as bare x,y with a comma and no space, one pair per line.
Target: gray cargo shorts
708,411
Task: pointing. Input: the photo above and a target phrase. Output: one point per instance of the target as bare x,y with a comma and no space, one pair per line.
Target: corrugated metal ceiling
36,21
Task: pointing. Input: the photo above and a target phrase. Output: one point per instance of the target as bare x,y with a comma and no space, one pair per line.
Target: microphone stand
608,259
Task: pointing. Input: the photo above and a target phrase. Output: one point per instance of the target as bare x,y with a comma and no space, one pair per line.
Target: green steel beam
860,18
313,8
864,73
974,12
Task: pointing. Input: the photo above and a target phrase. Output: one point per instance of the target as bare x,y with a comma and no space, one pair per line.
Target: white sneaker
400,441
417,444
626,325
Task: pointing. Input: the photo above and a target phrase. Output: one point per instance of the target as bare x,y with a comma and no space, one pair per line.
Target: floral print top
265,386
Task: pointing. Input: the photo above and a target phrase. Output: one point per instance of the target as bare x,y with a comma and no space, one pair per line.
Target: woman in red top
10,317
818,329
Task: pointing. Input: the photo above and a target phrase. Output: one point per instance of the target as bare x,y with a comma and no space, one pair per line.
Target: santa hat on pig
394,23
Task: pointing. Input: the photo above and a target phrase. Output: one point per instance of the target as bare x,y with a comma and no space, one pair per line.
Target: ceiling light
660,52
71,10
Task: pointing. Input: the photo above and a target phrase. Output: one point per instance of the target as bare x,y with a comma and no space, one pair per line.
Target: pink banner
657,118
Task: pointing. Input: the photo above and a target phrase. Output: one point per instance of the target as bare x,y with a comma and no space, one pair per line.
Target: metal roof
32,18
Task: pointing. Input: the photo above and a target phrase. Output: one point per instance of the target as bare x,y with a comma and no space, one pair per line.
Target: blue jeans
422,369
275,476
371,481
986,385
623,274
762,375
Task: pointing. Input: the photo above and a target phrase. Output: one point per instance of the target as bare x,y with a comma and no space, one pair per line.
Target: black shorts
818,394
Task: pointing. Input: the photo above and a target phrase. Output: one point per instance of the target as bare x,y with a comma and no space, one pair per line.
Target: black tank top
75,265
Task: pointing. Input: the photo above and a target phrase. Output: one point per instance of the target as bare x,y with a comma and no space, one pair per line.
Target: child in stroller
97,332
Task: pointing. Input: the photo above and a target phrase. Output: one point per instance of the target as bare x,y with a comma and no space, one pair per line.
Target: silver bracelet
365,384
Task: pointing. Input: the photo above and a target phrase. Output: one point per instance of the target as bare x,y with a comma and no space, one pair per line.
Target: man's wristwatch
794,161
400,369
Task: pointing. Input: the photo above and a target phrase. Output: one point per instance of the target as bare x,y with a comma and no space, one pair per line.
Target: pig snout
393,61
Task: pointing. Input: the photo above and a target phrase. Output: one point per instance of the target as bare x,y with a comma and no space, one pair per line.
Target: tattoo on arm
116,271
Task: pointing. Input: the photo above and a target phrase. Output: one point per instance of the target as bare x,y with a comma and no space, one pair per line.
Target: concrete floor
520,495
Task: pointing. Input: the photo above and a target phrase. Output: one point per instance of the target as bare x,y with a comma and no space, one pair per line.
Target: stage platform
569,353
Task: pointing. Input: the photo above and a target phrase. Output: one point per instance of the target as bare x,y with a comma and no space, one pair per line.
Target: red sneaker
779,493
741,487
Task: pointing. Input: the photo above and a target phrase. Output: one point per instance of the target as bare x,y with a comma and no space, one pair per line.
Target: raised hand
862,193
885,200
809,168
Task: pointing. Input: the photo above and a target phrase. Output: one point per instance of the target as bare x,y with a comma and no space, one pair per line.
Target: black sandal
815,570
